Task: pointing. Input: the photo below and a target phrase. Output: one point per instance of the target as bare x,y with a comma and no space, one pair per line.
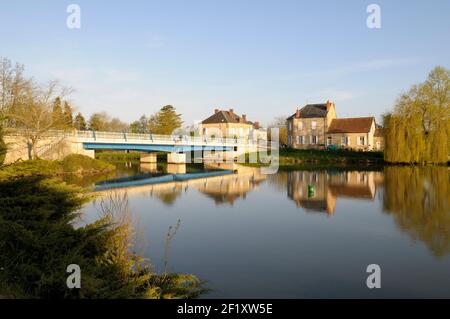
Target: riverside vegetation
38,240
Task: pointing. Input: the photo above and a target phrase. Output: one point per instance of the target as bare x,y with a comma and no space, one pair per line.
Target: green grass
345,156
117,156
292,158
72,164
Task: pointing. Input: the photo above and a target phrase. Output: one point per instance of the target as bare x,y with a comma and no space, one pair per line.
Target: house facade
230,125
316,126
308,126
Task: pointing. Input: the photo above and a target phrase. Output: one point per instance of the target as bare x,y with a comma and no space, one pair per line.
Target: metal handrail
154,138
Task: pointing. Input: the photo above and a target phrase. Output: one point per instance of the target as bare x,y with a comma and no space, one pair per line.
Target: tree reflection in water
419,201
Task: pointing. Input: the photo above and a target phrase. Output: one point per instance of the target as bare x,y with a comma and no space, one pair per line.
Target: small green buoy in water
311,191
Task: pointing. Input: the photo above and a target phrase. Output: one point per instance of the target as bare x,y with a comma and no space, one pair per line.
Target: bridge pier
176,158
149,158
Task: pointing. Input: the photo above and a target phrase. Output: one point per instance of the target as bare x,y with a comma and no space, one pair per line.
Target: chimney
297,114
257,126
231,111
329,105
216,111
244,118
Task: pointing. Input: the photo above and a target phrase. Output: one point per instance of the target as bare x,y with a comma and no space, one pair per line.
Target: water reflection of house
224,188
227,189
328,187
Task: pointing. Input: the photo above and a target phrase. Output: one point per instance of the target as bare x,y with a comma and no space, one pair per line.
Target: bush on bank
38,241
72,164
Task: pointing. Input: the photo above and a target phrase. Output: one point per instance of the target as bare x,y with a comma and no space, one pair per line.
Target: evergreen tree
166,121
68,114
80,122
57,110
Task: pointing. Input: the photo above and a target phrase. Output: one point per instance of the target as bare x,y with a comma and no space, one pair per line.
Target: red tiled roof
351,125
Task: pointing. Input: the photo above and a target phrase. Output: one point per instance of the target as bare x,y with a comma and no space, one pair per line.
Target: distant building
379,139
316,126
231,125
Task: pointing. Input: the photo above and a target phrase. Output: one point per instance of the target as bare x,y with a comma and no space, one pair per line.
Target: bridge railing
153,138
157,138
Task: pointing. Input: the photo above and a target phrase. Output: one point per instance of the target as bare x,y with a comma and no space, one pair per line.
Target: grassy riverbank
38,241
304,159
118,156
71,165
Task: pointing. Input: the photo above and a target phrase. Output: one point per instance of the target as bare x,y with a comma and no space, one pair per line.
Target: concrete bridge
58,144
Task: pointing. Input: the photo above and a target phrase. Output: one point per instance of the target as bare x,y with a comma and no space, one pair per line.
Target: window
361,140
290,126
300,140
313,139
329,140
346,140
378,145
313,125
300,126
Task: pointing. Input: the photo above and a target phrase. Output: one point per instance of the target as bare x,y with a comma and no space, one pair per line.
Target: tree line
36,108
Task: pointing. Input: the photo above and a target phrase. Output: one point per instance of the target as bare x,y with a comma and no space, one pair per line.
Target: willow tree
418,129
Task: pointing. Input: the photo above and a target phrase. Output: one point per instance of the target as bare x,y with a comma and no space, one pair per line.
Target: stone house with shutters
316,126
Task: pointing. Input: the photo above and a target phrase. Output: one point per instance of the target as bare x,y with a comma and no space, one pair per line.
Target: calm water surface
268,236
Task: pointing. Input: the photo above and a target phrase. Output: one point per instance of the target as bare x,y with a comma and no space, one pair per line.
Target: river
294,234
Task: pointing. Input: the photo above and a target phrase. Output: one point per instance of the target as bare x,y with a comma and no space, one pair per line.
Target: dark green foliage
80,122
38,242
68,114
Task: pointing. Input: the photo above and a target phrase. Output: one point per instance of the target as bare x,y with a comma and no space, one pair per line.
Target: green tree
57,113
98,122
418,129
140,126
80,122
165,121
68,114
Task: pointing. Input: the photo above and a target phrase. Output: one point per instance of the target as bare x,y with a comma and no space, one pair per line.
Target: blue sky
263,58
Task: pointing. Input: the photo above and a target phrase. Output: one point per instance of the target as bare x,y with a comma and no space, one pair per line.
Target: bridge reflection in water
224,183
